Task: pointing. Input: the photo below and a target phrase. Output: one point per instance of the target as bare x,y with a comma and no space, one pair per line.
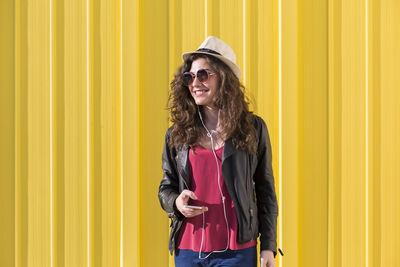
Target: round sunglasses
202,75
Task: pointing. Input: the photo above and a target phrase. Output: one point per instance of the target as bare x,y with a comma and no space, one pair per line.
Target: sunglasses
202,75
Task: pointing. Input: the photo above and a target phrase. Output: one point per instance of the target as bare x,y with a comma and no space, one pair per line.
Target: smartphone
193,207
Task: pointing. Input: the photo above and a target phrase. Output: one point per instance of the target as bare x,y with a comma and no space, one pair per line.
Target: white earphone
209,134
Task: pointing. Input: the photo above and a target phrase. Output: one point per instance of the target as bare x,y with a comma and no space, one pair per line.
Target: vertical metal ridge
121,256
366,138
51,132
280,126
244,41
330,130
205,19
138,120
17,142
88,165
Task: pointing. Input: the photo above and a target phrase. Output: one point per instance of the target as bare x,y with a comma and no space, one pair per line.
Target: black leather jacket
248,178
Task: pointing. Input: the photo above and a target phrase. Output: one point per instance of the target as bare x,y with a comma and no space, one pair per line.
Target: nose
196,82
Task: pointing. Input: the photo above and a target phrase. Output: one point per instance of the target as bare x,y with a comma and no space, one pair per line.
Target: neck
210,117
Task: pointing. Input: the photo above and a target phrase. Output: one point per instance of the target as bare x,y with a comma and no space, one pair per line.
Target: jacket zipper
251,219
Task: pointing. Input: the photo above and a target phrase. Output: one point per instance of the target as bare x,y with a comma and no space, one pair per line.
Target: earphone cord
222,196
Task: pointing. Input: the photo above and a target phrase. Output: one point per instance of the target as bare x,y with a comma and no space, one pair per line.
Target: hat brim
235,68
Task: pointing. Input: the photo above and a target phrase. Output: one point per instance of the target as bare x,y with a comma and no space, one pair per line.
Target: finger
198,212
192,195
194,212
186,194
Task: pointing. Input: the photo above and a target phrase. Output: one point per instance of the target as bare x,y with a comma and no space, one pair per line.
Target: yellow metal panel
38,130
312,117
335,135
108,155
60,183
153,85
88,121
353,133
70,133
390,132
250,50
175,30
267,93
374,151
21,134
231,29
212,17
266,69
131,136
192,23
8,68
289,137
95,197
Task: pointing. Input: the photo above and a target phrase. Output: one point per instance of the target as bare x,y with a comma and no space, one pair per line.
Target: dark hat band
208,51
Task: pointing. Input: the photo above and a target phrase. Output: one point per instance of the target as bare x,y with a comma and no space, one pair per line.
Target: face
203,93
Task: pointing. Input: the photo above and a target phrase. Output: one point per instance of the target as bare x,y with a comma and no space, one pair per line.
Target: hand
267,259
183,200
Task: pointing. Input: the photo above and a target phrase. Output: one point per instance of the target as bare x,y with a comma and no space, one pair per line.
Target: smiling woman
209,83
217,157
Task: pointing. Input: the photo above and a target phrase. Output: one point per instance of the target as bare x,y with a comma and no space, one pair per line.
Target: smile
199,92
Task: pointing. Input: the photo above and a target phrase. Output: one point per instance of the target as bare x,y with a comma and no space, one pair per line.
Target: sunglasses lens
202,75
187,78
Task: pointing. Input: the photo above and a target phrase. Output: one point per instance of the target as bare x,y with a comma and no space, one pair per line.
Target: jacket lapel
183,164
229,149
228,169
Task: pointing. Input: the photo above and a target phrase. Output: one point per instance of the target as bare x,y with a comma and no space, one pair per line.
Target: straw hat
217,48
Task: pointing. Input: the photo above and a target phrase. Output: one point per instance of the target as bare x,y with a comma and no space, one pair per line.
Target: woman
218,185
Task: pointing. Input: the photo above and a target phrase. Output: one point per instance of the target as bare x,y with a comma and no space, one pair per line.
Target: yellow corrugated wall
83,116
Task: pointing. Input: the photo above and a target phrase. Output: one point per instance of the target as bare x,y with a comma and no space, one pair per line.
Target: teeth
199,92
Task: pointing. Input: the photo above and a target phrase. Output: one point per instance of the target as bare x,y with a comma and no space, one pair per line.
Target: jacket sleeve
267,205
169,187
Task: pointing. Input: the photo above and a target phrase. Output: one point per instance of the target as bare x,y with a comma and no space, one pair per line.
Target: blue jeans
231,258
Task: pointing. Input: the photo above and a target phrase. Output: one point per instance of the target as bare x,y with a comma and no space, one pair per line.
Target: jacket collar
229,149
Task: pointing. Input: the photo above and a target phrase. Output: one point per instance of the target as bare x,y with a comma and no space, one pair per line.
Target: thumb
188,194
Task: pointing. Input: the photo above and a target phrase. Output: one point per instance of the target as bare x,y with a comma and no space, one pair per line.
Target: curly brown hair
235,117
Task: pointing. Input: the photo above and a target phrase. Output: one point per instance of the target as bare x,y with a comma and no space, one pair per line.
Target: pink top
204,184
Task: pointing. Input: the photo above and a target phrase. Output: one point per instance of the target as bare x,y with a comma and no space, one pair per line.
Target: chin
201,103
